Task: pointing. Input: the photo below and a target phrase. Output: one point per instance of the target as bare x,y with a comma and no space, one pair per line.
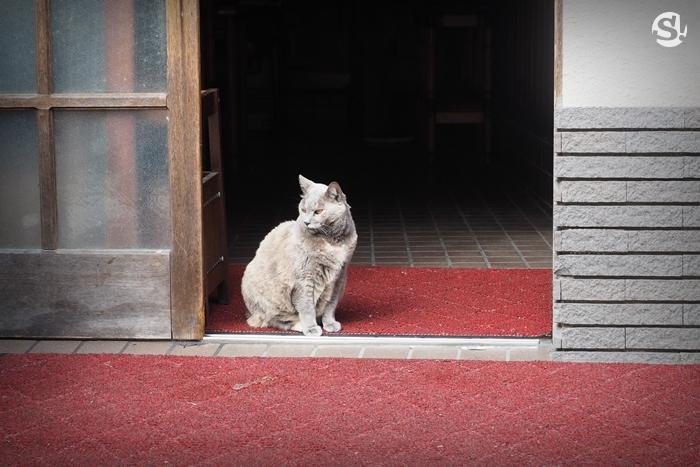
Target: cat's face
323,208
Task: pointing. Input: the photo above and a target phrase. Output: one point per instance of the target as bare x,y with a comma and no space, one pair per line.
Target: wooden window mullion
43,48
47,181
47,162
94,100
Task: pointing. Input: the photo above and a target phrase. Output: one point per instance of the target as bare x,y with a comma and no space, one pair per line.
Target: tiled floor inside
475,230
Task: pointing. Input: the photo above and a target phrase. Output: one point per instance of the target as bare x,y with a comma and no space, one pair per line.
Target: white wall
610,58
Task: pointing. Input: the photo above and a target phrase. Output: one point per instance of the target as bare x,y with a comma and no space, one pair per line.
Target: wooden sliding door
100,191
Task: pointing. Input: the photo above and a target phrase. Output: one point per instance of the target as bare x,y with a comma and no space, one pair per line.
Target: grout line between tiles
442,240
532,224
121,351
31,347
405,234
471,232
75,350
517,250
170,349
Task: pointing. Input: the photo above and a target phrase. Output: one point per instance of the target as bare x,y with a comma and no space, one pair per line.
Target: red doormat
424,302
127,410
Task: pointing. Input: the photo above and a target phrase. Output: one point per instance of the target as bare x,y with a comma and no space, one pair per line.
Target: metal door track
475,342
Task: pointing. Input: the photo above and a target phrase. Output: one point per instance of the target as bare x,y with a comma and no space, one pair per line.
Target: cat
300,269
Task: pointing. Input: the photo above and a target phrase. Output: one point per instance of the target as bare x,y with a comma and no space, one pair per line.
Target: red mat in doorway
424,301
133,410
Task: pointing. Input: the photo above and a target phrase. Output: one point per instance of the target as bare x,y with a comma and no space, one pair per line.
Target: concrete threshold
394,347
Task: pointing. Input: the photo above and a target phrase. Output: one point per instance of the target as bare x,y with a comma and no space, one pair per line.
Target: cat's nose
306,223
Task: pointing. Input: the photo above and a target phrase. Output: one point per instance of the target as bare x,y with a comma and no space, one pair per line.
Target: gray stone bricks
663,338
627,266
620,167
556,142
591,240
620,357
691,265
688,358
662,290
619,265
691,314
691,216
591,338
571,191
656,191
663,191
592,289
691,167
612,241
619,313
617,290
662,141
628,117
635,142
662,241
593,142
619,216
691,118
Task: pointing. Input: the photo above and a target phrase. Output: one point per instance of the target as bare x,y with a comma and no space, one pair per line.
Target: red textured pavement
424,301
146,410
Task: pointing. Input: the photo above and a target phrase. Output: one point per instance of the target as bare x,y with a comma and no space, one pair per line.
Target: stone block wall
627,234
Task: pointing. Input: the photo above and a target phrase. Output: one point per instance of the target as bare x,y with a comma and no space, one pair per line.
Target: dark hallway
435,117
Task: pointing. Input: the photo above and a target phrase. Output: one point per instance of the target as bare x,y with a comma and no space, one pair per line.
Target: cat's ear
334,192
304,183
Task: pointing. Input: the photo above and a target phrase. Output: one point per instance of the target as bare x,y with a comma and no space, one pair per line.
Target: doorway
436,120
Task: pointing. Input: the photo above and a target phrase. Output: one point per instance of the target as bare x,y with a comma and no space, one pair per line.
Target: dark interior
406,101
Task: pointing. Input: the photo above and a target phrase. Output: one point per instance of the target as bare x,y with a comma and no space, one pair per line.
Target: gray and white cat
300,269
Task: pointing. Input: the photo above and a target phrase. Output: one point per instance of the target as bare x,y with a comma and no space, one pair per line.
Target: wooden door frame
184,67
557,54
184,143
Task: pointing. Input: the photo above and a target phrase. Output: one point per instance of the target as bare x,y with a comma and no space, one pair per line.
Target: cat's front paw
333,326
313,331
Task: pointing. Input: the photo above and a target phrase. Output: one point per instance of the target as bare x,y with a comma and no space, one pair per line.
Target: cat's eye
318,211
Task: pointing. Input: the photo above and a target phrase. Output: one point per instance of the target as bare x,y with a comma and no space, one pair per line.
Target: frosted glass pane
108,45
112,179
19,180
17,46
